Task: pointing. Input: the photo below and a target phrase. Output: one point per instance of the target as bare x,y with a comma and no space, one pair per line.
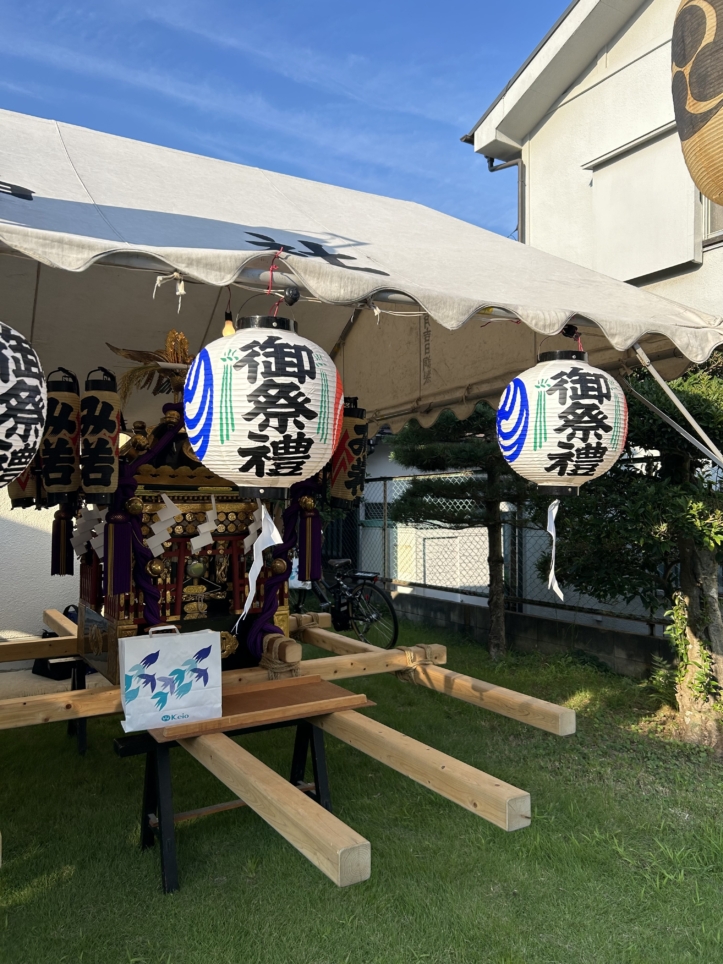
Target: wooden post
526,709
488,797
337,850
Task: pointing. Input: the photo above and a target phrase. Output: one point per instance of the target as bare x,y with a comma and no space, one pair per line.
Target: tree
652,529
452,444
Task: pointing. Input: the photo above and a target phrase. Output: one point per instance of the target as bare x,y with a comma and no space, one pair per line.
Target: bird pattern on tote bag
140,680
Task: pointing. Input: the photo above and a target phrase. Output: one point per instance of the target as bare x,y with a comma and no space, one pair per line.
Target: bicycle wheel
373,618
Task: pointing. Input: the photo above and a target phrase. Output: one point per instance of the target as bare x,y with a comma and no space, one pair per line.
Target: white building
589,117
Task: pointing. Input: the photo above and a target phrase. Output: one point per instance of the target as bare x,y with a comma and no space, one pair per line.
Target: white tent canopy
78,208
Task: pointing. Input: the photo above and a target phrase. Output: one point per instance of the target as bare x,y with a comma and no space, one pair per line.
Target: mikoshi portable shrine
180,296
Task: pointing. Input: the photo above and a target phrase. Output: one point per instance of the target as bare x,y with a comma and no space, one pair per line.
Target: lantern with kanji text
23,404
263,407
562,422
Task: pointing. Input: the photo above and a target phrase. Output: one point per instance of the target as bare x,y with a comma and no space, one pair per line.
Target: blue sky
370,95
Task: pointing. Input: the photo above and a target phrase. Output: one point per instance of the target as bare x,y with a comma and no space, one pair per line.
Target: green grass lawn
623,862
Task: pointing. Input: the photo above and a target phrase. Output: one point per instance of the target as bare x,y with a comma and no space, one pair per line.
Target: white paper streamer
205,529
88,520
551,514
166,516
268,535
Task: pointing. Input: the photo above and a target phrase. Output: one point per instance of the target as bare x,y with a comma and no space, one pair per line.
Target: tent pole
675,400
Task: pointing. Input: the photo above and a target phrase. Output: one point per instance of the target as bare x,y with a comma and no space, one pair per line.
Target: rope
276,668
413,661
180,287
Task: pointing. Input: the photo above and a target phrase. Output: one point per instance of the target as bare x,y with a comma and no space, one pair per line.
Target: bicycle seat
338,563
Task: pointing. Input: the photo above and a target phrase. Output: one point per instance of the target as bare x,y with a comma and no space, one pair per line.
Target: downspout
520,165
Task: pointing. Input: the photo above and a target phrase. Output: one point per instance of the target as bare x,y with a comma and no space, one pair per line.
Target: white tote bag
169,677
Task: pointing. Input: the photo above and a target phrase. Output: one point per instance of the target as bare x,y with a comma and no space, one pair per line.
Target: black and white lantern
562,422
263,407
23,404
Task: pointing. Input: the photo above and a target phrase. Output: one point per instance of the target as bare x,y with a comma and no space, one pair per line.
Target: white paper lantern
562,422
264,406
23,404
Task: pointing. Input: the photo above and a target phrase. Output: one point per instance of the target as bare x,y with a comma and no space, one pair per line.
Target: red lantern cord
273,267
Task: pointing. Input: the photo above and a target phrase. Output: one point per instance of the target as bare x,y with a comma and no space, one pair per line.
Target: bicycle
355,602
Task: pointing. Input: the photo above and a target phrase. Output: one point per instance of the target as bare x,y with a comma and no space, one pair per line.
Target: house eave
567,49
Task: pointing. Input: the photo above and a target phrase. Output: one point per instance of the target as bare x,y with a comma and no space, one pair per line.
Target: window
713,221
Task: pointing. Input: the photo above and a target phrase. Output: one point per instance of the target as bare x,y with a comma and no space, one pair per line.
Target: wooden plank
69,705
559,720
337,850
482,794
58,623
297,621
270,703
37,648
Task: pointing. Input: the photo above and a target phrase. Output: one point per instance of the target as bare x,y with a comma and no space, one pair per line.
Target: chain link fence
440,560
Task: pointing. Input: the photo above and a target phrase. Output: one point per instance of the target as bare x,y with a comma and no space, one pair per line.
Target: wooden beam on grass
337,850
37,648
104,701
58,623
488,797
559,720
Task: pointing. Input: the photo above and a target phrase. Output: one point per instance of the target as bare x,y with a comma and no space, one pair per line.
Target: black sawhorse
157,816
79,728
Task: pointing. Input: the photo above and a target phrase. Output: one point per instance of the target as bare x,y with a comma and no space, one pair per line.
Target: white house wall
623,95
26,586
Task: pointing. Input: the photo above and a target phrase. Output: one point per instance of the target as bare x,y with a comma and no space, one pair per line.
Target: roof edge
468,138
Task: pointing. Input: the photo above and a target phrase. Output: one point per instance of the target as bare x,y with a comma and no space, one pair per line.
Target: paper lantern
23,491
60,449
697,63
349,461
23,404
99,431
263,407
562,422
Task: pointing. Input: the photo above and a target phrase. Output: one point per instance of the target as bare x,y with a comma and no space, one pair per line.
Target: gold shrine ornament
697,66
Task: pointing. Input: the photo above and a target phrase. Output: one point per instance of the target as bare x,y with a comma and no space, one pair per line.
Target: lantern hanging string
551,514
273,267
161,279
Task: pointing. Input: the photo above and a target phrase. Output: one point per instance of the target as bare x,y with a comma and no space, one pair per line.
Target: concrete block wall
629,654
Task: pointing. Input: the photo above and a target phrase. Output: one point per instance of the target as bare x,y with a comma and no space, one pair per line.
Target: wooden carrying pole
488,797
337,850
37,648
527,709
103,701
58,623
